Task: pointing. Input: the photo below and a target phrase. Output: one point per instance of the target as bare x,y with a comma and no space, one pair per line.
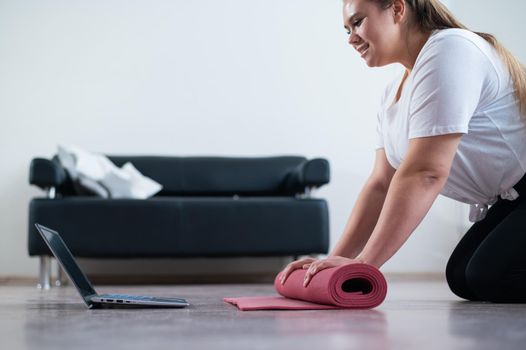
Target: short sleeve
379,134
448,79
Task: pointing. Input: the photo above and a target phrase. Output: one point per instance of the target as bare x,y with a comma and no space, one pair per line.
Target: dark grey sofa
209,207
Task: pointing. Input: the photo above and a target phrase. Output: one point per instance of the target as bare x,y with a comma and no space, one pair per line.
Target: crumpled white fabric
478,211
97,173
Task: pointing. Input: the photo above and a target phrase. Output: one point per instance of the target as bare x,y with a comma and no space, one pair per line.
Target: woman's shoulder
442,34
457,39
454,47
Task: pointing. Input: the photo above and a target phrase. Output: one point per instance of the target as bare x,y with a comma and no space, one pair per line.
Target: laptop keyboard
139,298
126,296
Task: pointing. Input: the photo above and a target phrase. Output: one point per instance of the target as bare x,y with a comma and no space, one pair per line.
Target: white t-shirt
459,84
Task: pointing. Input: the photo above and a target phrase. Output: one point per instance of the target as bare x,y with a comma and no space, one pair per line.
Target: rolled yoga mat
354,285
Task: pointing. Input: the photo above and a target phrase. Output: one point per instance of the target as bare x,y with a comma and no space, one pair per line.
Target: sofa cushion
183,227
216,176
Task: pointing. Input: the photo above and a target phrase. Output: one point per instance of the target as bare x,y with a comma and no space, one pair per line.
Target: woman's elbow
432,178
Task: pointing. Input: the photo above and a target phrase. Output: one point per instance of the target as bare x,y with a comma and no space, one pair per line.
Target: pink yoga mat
354,285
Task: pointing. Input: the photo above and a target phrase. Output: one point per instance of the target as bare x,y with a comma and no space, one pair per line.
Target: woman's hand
319,265
295,265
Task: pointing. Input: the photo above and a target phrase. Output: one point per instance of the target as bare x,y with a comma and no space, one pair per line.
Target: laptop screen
67,261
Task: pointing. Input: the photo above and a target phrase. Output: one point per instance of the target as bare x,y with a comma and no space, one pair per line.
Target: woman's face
374,32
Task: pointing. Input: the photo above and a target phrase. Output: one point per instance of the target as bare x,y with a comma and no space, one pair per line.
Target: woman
451,125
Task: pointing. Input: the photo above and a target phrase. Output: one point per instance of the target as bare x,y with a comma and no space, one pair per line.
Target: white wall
504,19
232,77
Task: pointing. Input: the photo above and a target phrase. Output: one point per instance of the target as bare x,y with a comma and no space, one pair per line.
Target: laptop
83,285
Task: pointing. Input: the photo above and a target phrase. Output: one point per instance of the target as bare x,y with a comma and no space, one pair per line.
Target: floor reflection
488,325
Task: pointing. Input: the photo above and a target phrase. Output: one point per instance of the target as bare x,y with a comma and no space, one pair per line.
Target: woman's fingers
288,270
320,265
295,265
314,268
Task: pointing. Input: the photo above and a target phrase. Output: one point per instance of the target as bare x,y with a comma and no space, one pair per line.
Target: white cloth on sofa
98,174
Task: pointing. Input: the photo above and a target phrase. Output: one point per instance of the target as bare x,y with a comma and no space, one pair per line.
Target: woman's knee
485,283
494,287
456,280
478,281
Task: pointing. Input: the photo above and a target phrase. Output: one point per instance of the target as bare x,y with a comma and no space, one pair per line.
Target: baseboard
207,278
17,281
183,279
155,279
414,276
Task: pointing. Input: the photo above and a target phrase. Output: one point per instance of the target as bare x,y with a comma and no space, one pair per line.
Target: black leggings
489,263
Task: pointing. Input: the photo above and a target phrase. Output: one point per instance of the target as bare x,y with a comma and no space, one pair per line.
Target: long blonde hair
432,14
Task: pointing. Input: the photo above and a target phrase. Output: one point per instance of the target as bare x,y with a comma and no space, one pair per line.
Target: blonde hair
432,14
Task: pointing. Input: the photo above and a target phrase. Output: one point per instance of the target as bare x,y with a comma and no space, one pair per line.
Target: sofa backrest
215,176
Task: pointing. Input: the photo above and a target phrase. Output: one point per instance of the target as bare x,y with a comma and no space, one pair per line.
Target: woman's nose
354,38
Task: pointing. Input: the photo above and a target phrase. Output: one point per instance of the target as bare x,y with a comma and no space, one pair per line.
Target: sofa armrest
46,173
311,173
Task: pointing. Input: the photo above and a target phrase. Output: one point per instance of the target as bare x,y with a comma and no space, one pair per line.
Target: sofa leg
51,193
44,273
61,279
307,193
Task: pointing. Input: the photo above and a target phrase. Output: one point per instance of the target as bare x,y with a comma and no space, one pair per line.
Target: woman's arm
367,209
363,217
412,191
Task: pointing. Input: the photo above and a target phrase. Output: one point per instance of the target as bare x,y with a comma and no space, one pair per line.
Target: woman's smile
363,49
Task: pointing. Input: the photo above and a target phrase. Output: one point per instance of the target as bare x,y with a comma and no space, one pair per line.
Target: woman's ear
398,9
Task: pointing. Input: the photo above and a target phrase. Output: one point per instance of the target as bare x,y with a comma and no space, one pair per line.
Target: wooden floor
417,314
